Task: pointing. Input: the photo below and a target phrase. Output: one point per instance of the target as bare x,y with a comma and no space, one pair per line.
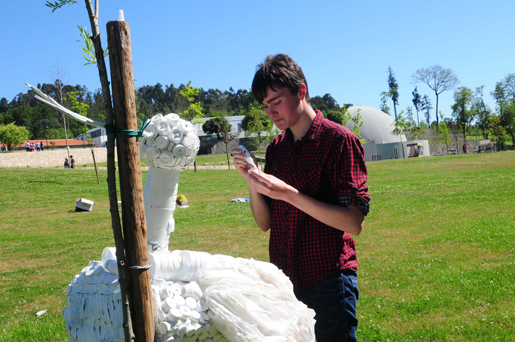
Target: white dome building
377,125
379,141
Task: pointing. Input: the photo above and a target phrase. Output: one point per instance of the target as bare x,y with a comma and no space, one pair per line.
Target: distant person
32,147
464,148
42,147
72,162
37,146
66,164
27,146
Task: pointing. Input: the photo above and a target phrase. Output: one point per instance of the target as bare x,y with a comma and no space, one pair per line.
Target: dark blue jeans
334,300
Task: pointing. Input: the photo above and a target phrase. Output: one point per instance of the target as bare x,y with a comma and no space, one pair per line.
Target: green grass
202,160
437,254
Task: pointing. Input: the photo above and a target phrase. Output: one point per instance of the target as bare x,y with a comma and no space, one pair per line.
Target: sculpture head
169,142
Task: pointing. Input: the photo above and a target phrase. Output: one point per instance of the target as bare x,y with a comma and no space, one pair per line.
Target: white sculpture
197,296
170,144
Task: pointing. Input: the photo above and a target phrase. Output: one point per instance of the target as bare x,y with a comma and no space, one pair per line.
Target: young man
312,196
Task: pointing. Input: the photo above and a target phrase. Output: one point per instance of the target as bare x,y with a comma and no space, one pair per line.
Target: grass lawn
202,160
437,254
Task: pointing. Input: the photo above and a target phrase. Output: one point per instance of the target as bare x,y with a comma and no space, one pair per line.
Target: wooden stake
131,185
95,163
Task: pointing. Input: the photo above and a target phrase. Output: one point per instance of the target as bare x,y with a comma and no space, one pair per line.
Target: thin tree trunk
111,170
66,137
437,123
95,163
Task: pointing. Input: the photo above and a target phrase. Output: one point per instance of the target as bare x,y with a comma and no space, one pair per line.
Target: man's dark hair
279,71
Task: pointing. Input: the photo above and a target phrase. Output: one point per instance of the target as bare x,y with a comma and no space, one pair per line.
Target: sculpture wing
53,103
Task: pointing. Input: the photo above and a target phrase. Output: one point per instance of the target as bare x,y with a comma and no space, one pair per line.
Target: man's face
282,107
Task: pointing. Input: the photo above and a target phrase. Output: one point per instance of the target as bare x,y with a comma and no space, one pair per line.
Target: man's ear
303,91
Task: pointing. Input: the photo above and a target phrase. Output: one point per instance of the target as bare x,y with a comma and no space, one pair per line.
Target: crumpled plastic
254,301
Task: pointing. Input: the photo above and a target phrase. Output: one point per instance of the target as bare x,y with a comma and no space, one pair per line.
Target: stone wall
218,146
438,148
52,158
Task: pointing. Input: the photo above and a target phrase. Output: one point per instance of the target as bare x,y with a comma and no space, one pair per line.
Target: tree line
470,114
43,122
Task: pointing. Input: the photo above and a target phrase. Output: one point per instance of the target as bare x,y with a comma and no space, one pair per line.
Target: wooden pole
111,170
131,184
95,163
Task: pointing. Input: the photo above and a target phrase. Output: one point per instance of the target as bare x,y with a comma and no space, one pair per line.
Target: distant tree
226,138
409,112
212,126
194,110
4,105
504,95
393,90
480,110
60,92
417,102
461,108
497,131
357,124
334,116
384,97
324,103
257,124
445,133
400,124
426,107
339,116
13,135
76,105
436,78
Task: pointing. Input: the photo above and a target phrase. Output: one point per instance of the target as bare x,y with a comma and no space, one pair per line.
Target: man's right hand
241,164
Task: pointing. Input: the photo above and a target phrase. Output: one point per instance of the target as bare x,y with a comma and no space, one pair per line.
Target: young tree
504,95
409,112
258,125
339,116
213,126
357,124
480,110
111,168
436,78
194,110
400,124
58,75
426,107
460,109
417,102
226,138
445,132
393,90
385,95
13,135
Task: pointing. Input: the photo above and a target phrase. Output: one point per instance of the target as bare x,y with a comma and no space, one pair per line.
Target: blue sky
344,47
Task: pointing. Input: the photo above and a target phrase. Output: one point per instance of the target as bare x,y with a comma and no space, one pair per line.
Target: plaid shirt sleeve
349,172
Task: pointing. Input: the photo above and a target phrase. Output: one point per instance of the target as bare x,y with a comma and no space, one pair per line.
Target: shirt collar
312,132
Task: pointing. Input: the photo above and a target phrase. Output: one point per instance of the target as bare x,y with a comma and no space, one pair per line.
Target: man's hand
348,219
241,164
270,186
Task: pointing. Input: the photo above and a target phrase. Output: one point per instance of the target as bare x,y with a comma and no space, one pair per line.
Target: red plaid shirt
326,164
